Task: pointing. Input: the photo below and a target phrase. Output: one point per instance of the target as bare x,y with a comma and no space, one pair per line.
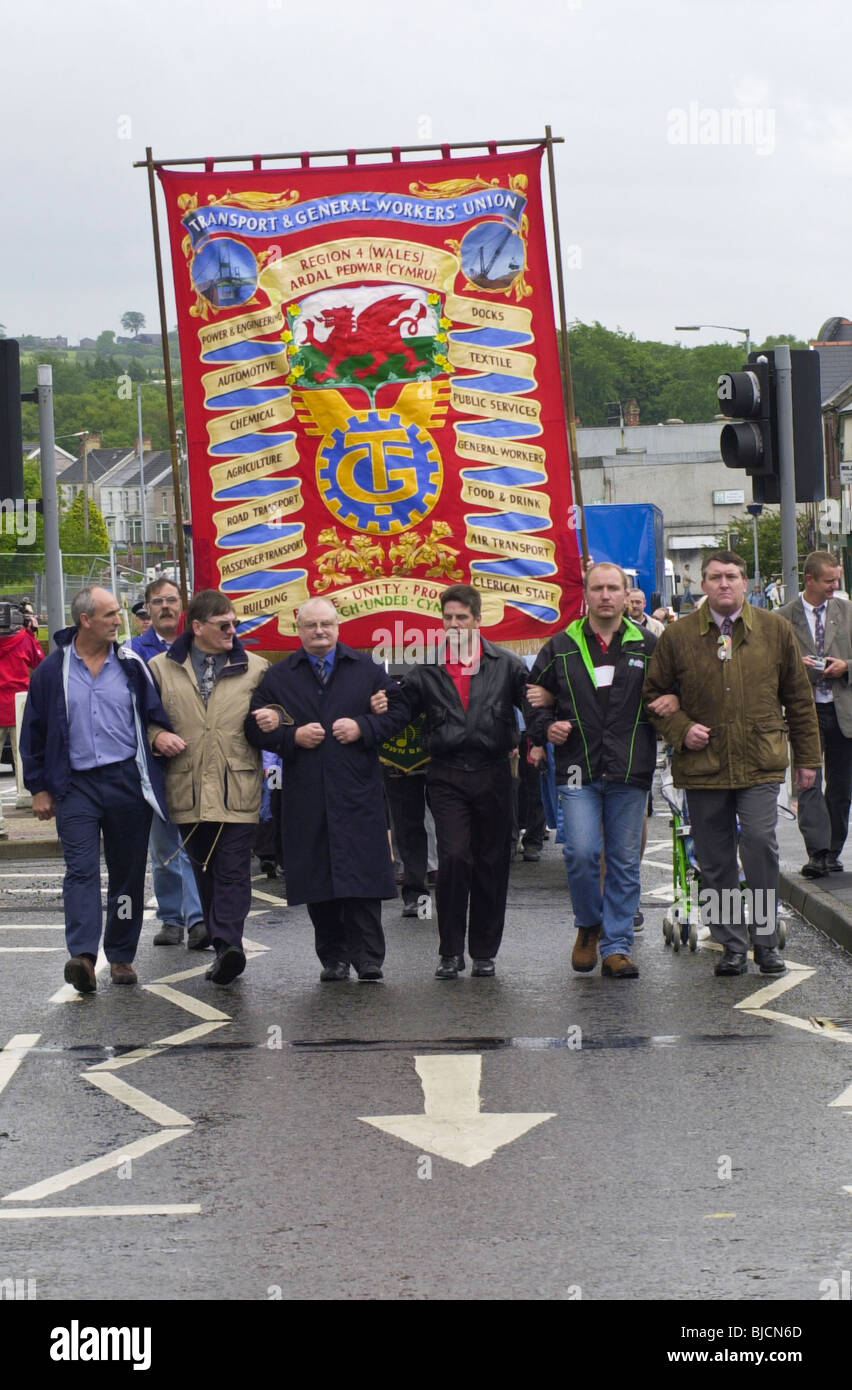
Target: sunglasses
223,627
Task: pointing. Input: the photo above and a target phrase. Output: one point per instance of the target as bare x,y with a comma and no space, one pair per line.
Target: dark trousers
407,800
348,931
104,801
713,816
220,855
473,823
529,810
824,819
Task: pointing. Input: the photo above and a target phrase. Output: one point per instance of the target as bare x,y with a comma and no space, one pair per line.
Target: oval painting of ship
225,272
492,255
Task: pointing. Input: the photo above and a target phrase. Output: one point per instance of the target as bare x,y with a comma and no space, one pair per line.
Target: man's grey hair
83,602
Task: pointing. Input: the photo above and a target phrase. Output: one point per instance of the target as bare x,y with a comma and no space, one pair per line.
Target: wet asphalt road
693,1150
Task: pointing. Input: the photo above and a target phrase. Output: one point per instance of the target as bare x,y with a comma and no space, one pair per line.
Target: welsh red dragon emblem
376,332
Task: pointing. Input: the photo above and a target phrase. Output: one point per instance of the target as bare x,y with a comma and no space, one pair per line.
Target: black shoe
80,972
227,966
331,973
770,960
816,866
482,967
449,967
531,854
833,864
170,934
638,921
370,972
410,909
732,963
197,938
269,867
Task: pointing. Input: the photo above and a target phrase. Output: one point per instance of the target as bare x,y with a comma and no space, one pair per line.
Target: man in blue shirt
86,760
178,903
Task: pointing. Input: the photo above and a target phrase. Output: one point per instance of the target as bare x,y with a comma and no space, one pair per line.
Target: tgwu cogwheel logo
379,475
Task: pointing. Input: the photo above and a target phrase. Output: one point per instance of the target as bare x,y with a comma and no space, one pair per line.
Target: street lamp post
728,328
142,483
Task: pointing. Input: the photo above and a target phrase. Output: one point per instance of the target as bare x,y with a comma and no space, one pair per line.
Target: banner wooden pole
167,367
567,384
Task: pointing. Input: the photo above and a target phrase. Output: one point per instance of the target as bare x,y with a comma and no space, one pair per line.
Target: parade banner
372,394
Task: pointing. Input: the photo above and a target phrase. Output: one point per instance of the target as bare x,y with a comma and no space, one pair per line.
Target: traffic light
11,444
749,396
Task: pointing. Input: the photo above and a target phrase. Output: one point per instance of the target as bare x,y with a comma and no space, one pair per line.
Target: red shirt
460,672
20,654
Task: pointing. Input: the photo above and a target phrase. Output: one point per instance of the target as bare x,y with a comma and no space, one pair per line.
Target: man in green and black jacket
605,759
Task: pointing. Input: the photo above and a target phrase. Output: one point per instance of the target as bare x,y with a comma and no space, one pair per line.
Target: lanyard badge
725,645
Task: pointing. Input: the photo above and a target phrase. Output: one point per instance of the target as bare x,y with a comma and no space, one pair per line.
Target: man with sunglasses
178,903
743,691
213,778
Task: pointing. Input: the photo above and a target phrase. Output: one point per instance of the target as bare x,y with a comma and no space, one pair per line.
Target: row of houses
114,483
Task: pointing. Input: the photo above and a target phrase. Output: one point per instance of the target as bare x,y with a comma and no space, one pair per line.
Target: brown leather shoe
122,973
584,956
620,967
80,973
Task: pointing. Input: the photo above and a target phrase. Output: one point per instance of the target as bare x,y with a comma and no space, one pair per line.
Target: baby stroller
682,922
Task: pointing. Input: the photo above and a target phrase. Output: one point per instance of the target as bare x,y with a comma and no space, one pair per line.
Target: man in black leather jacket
468,697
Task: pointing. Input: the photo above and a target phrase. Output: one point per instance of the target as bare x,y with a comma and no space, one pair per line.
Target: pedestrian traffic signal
11,445
749,396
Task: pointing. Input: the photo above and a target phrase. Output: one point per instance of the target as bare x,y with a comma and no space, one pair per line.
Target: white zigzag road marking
137,1100
60,1181
13,1055
185,1001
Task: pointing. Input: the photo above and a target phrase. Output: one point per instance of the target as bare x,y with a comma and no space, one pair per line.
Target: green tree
768,540
133,322
105,341
73,539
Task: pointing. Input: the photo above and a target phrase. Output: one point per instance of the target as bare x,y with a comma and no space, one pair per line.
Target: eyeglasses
158,602
223,627
332,622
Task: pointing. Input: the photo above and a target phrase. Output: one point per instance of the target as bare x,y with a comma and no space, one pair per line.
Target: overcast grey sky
664,218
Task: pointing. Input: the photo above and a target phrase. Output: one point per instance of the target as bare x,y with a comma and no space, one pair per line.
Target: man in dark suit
823,628
335,841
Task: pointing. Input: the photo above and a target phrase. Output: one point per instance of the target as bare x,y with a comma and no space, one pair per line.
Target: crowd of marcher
166,746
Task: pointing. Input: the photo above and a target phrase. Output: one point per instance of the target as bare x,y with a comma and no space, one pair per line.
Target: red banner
372,394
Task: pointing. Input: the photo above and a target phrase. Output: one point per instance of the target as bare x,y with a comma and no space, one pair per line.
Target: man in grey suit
823,628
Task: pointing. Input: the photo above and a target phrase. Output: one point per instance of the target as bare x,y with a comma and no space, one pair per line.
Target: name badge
603,676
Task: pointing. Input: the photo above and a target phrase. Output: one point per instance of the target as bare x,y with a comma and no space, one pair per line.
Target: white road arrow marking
452,1126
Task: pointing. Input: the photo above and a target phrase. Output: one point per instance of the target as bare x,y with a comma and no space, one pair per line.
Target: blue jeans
604,815
178,903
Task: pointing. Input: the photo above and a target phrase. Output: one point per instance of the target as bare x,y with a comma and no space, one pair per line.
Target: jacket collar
341,653
237,657
705,622
65,636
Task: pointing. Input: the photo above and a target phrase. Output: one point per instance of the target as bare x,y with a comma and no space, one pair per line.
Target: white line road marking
68,994
452,1126
41,892
30,1213
139,1054
797,973
185,1001
71,1176
838,1034
184,974
844,1099
14,950
13,1055
137,1100
45,873
268,898
33,926
253,948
